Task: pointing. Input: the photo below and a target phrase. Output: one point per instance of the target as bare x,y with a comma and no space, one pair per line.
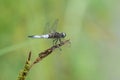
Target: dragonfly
53,34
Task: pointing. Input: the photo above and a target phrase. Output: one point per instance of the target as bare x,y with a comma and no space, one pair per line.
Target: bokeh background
93,27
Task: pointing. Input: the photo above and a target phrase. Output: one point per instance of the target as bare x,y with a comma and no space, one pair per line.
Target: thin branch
49,51
28,65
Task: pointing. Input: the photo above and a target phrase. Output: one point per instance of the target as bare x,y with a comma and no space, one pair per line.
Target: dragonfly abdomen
50,35
39,36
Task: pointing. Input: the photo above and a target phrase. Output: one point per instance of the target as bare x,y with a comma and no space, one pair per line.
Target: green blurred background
91,25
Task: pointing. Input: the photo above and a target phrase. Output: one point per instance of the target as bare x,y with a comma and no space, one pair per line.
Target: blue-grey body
55,35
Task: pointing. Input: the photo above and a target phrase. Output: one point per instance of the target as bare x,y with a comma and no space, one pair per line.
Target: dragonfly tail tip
30,36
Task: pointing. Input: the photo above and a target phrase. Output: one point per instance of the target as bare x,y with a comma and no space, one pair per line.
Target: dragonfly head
63,35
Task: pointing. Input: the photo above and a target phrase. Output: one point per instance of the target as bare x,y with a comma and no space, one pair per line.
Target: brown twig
28,65
49,51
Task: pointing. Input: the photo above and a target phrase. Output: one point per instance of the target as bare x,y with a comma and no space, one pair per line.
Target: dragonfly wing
54,26
46,28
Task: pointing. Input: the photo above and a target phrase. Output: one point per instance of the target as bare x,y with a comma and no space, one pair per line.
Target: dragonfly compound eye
63,35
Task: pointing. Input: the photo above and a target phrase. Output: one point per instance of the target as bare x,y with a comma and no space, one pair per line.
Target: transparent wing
46,28
50,28
54,26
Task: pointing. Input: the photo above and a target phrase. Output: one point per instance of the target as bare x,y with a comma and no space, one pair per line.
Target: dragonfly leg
60,40
55,41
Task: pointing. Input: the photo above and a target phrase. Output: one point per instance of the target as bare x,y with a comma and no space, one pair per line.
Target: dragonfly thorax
57,35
